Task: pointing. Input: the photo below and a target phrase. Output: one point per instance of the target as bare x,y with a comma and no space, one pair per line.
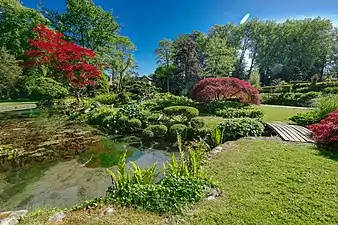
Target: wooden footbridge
292,133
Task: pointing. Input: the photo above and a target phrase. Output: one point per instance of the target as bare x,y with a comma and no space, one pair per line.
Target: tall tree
185,58
16,26
220,57
164,58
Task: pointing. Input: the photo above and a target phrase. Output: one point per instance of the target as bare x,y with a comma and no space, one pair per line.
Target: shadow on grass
327,153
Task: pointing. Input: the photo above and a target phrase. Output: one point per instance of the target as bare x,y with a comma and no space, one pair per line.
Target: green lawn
15,103
280,114
267,182
263,182
211,121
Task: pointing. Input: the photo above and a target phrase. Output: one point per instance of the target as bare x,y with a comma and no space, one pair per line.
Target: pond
64,183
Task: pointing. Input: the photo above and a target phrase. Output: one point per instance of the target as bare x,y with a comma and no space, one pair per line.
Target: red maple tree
326,131
68,61
215,89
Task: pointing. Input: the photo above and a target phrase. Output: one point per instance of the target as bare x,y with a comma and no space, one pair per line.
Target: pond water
66,183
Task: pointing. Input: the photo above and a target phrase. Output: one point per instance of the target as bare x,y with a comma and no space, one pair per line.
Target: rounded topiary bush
153,118
134,124
185,112
180,129
197,123
203,132
147,135
241,127
105,99
158,130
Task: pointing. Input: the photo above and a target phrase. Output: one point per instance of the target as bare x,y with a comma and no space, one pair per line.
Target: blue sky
147,22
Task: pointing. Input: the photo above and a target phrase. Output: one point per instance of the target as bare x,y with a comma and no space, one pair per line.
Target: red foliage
66,59
326,131
213,89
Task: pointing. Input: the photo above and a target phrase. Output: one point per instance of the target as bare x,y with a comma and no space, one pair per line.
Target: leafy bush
215,89
216,137
10,71
237,113
212,107
45,88
97,116
184,113
147,134
105,99
132,111
331,90
178,129
158,130
134,124
197,123
154,118
161,101
203,132
326,131
241,127
289,99
183,182
324,107
305,119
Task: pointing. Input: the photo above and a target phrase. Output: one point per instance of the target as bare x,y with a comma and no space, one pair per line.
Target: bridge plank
292,132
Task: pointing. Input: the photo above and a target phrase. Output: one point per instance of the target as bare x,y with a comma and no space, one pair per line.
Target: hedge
299,87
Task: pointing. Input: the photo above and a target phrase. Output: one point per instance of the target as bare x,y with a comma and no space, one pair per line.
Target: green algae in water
106,153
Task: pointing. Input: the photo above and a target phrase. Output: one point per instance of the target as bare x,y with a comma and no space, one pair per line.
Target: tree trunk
252,63
168,86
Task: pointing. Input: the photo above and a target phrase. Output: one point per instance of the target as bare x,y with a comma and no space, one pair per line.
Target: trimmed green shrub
299,87
147,135
197,123
96,116
180,129
240,127
45,88
184,112
289,99
153,118
132,111
305,119
158,130
161,101
214,106
331,90
105,99
237,113
203,132
134,124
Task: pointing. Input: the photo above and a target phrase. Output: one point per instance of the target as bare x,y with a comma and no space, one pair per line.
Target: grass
16,103
279,114
266,182
263,182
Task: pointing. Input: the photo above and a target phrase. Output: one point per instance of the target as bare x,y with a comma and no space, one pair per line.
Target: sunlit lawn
15,103
280,114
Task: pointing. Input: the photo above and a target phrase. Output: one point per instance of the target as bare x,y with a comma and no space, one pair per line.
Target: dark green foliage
203,132
147,135
132,111
172,194
10,72
197,123
123,98
158,130
154,118
184,113
178,129
237,113
241,127
214,106
97,116
331,90
289,99
45,88
299,87
134,124
305,119
161,101
105,99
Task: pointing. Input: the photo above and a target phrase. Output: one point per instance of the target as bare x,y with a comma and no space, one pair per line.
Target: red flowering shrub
213,89
67,61
326,131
